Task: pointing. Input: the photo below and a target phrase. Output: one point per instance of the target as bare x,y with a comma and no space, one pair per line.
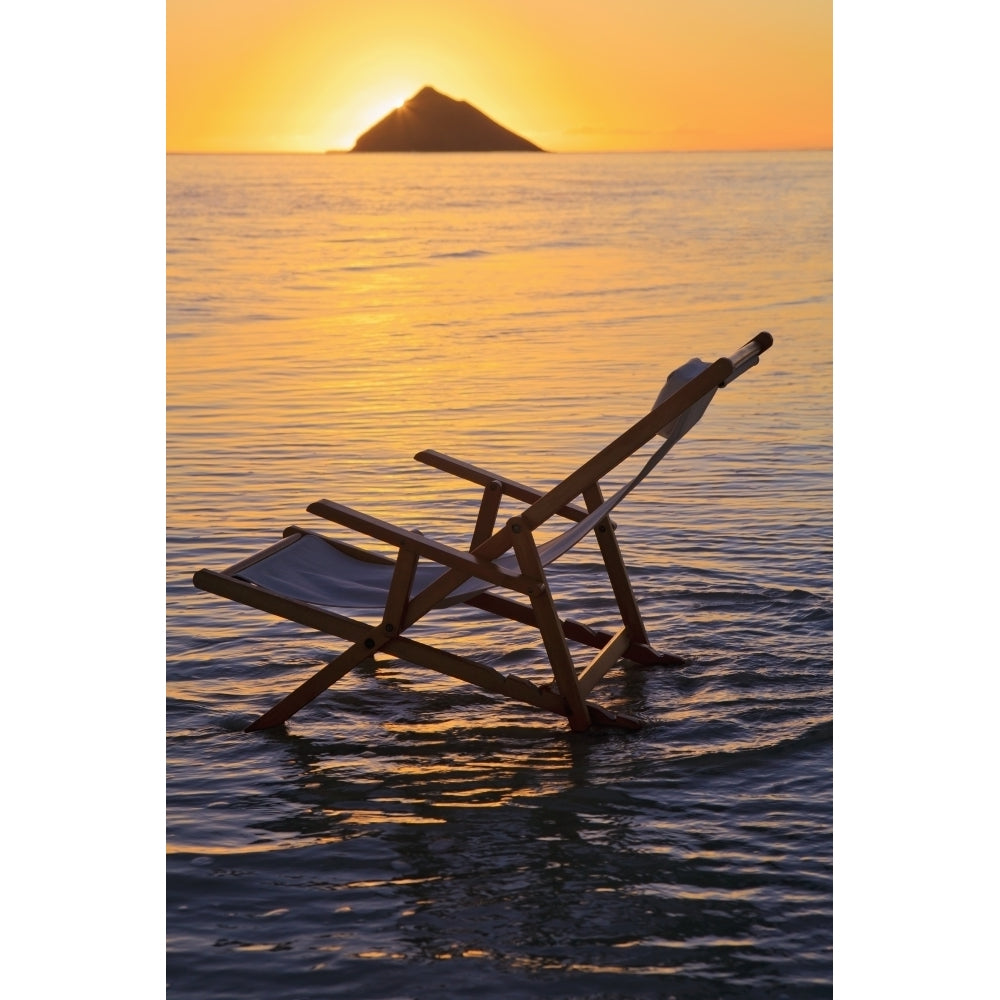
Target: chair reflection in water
312,579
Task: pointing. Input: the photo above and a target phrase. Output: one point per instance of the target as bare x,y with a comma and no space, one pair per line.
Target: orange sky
571,75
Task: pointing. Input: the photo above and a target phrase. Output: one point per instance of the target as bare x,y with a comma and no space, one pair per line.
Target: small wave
718,596
381,266
738,596
563,244
249,318
769,595
730,759
459,254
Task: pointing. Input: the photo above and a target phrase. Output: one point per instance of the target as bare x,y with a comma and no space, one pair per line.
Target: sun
378,97
378,107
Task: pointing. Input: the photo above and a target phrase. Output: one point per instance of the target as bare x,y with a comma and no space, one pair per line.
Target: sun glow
377,109
252,75
366,107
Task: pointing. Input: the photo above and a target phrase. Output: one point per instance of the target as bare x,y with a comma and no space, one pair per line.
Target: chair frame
525,575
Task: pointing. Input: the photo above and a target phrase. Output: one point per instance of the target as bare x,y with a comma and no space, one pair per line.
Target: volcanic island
431,122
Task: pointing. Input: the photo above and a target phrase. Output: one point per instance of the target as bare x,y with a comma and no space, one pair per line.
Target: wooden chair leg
398,598
560,658
314,686
488,510
615,566
395,608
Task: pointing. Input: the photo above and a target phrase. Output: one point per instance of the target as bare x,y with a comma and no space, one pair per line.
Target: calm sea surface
406,836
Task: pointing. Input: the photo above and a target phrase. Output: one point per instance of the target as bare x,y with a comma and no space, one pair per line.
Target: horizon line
557,152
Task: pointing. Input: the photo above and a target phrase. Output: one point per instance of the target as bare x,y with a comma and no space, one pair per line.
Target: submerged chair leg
615,565
621,585
313,687
395,608
550,627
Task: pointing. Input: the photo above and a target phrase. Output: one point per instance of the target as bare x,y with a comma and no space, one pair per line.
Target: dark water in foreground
412,837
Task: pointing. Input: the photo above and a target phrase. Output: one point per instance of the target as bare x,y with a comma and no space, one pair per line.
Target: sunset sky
571,75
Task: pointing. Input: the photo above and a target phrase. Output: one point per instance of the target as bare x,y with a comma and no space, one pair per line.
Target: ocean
408,836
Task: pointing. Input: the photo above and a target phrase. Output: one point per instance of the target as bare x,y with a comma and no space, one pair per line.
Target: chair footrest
602,717
645,656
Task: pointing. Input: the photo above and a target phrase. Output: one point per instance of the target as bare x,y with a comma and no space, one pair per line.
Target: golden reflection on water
511,353
312,353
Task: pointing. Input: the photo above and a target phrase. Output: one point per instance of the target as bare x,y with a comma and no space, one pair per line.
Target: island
431,122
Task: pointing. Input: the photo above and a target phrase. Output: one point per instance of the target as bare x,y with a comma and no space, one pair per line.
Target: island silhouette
431,122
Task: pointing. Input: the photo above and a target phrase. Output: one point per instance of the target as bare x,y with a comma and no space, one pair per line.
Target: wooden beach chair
313,580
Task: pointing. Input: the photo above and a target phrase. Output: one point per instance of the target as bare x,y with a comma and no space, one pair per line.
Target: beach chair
316,580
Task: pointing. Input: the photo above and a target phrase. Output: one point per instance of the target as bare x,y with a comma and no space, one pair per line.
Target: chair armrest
414,541
474,474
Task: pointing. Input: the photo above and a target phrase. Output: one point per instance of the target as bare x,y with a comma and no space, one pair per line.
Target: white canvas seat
312,570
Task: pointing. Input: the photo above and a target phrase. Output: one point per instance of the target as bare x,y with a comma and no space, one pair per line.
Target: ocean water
407,836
